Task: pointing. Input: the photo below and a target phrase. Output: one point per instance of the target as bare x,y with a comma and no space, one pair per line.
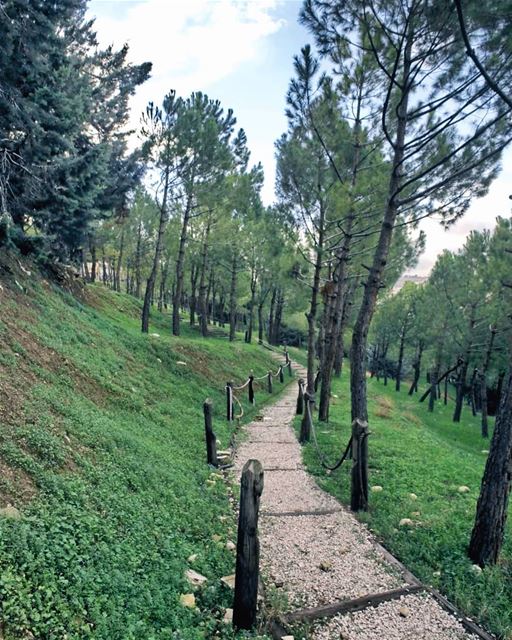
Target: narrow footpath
321,560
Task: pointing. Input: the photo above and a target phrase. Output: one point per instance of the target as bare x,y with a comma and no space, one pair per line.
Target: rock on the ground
463,489
10,512
228,616
229,581
195,578
188,600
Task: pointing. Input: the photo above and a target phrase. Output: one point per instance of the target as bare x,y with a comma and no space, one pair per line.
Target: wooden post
281,374
300,398
269,381
286,356
248,547
229,402
305,425
211,442
290,368
359,486
251,389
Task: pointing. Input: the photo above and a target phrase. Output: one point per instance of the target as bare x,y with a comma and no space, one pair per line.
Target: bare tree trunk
270,328
483,383
203,285
400,359
251,307
232,299
138,258
92,248
180,262
150,285
492,508
117,277
278,318
417,368
359,497
194,272
104,266
305,428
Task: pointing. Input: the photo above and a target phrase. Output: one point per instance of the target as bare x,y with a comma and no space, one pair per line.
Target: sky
241,52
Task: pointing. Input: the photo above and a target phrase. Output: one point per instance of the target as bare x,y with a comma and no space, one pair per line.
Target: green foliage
111,435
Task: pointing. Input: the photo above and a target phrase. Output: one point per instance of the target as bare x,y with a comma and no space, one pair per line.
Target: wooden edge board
349,606
466,622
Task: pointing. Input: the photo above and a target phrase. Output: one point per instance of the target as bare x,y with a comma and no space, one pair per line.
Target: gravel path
316,551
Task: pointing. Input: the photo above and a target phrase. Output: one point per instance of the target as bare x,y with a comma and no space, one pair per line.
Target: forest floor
315,553
428,470
106,499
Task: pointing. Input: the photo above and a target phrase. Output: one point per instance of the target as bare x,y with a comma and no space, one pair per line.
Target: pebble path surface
316,552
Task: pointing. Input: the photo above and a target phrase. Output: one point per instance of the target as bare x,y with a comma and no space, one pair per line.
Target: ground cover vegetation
399,112
104,467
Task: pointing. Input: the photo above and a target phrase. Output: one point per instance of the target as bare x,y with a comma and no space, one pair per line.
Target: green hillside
104,489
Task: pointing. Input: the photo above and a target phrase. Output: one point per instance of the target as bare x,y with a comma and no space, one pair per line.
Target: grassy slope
102,451
412,451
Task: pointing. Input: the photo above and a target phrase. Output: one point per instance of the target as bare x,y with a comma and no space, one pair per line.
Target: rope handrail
262,377
241,414
321,456
242,386
274,375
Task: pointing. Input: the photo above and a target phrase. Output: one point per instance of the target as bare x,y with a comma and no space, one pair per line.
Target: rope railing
321,455
232,400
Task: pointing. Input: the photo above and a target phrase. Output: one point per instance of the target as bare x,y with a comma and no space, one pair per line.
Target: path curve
316,553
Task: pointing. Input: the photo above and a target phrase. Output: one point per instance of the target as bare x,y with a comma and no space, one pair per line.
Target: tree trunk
460,391
417,369
400,359
117,278
150,285
104,266
232,299
251,307
180,262
483,383
305,427
203,284
194,273
359,407
333,334
164,272
492,507
92,248
276,333
270,328
138,258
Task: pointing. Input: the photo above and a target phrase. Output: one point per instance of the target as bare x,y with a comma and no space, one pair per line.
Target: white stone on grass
195,578
188,600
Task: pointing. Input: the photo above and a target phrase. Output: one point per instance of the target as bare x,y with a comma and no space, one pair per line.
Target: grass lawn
415,452
102,454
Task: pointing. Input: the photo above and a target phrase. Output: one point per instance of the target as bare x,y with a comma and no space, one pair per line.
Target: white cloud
192,44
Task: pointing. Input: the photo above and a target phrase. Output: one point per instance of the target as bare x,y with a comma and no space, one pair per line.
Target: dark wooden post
305,425
290,368
251,389
300,398
269,381
248,547
359,487
211,442
281,374
287,357
229,402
